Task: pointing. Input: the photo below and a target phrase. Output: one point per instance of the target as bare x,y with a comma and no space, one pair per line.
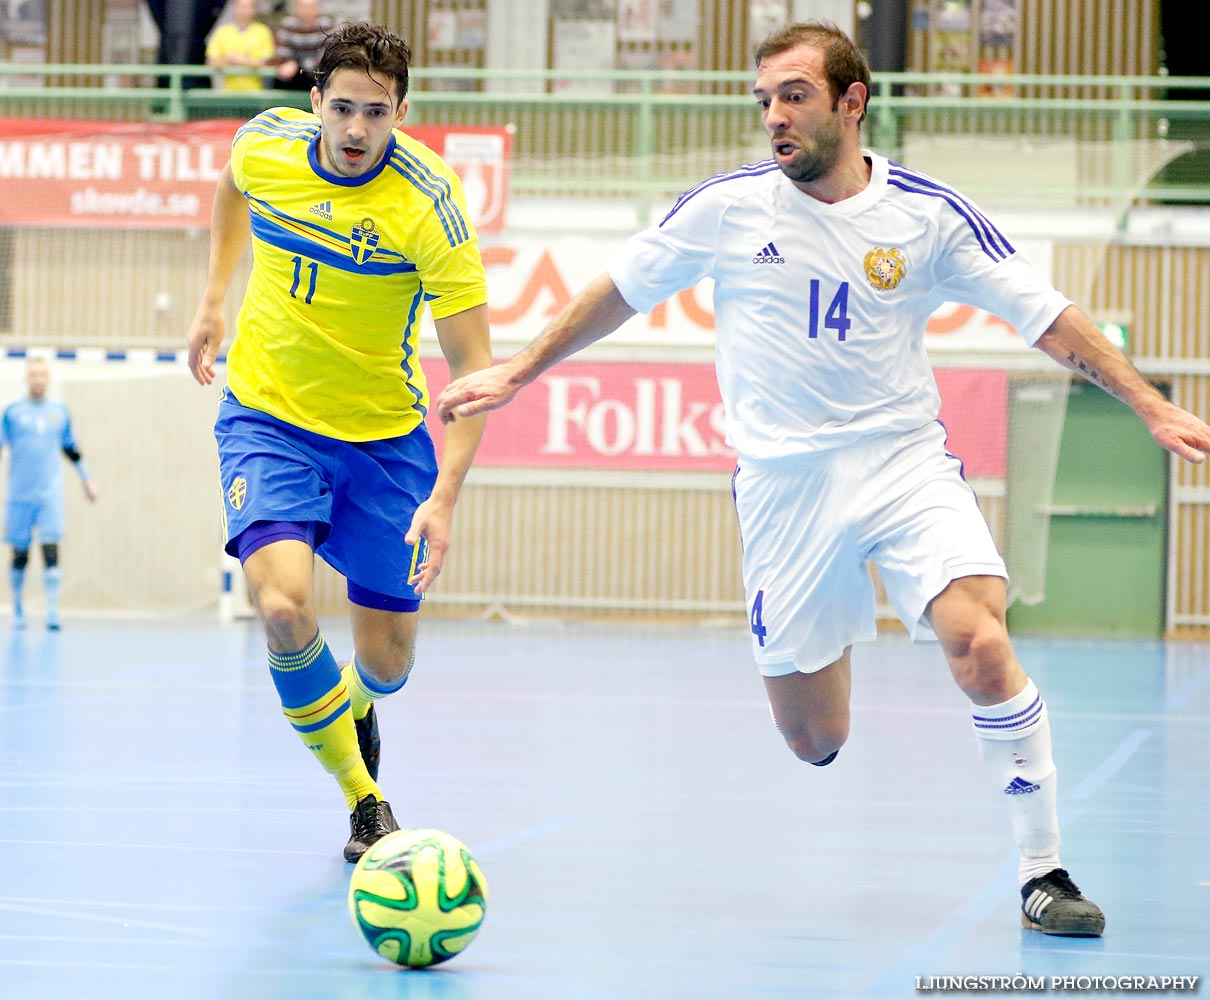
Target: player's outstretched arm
596,311
466,345
229,230
1075,342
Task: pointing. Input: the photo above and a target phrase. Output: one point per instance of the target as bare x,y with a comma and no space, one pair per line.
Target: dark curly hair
367,47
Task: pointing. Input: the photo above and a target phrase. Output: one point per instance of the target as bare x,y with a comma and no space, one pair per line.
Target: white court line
121,942
1111,765
312,972
77,916
94,845
125,809
488,848
174,906
1178,699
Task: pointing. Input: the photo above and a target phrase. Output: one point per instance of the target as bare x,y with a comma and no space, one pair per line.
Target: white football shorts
809,527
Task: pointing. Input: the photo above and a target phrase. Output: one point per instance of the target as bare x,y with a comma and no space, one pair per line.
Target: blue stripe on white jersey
277,235
994,243
438,188
747,170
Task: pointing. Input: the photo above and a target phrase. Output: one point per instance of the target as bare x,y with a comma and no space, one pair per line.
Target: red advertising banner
665,416
142,175
480,155
83,173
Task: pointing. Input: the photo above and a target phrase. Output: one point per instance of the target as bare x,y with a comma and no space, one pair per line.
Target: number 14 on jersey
837,315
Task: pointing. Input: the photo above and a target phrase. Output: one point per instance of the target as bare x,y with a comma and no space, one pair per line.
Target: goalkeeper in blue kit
36,430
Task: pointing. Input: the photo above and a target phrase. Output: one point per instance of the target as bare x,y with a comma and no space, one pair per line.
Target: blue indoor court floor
644,832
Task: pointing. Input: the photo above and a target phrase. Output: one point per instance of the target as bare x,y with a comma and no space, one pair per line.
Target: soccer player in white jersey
827,261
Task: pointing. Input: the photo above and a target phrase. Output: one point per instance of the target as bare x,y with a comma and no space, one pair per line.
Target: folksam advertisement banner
668,416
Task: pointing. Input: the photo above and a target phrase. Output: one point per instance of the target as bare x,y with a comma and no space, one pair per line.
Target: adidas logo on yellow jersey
323,210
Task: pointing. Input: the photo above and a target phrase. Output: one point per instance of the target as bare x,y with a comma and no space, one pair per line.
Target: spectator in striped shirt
300,40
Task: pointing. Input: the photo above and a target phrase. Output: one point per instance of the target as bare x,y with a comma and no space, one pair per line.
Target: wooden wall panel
1084,37
410,18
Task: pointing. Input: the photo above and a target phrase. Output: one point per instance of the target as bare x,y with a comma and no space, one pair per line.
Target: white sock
1014,740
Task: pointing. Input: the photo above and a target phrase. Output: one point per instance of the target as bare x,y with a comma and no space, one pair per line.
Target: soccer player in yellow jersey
356,228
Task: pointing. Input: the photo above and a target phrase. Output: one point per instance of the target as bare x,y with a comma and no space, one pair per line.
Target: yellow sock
315,700
360,699
364,691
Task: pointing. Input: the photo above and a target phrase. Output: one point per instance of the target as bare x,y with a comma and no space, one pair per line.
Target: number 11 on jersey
313,267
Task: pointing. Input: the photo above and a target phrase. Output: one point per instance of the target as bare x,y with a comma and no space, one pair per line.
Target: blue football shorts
359,495
21,518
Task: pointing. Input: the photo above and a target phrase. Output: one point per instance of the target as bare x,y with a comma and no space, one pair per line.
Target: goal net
1005,421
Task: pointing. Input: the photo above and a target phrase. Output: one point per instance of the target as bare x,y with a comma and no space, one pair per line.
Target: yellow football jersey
254,42
342,271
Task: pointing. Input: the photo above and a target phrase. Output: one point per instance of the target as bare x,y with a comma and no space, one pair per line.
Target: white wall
516,39
838,11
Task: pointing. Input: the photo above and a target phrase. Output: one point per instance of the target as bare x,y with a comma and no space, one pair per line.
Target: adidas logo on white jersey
323,210
768,255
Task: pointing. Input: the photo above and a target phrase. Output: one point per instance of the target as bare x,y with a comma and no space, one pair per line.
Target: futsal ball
417,897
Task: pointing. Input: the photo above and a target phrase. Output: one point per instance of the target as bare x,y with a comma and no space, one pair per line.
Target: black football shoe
1053,904
369,822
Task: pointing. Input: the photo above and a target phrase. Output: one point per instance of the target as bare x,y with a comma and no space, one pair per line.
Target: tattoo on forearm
1093,376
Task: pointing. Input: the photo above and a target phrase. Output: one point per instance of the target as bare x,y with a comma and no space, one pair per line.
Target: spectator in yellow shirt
243,43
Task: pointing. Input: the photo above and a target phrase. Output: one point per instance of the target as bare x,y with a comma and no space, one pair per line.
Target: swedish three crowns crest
363,241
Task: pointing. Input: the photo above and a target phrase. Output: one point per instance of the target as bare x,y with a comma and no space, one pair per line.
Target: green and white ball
418,897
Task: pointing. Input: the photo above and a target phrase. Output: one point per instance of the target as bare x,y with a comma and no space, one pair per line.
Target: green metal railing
648,134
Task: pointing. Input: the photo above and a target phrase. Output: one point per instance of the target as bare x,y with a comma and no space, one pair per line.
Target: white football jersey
820,310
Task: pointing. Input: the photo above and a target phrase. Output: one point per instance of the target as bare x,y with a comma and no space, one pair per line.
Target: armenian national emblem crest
885,268
363,241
